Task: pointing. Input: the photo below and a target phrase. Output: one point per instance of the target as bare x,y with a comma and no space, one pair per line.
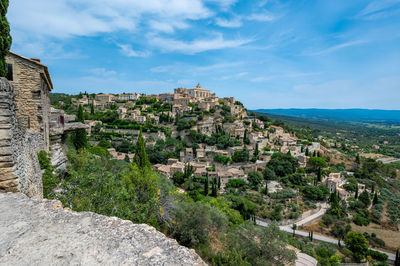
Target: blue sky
266,53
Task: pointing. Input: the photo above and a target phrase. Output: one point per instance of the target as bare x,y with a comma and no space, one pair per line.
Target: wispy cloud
262,17
102,72
128,51
289,75
198,45
380,9
234,76
337,47
237,21
233,23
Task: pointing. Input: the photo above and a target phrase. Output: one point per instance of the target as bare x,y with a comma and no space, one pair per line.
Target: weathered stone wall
19,165
8,179
32,95
42,233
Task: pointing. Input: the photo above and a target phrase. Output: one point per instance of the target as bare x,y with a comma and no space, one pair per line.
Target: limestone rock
42,233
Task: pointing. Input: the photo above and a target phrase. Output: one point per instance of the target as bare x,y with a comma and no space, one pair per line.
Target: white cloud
102,72
198,45
168,26
67,18
262,17
127,50
233,23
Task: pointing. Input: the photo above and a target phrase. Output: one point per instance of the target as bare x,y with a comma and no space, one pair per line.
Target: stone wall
19,165
32,95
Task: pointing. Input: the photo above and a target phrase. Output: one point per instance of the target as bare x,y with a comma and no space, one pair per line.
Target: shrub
44,160
376,255
316,193
283,194
360,220
328,219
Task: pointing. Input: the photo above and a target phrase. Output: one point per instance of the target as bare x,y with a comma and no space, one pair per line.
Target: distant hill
340,115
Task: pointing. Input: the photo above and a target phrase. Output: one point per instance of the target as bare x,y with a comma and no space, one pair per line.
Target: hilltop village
196,166
217,136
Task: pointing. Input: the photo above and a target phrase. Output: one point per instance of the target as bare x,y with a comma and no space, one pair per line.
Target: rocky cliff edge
41,232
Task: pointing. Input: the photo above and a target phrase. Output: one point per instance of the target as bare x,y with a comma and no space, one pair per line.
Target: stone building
32,84
166,97
199,92
104,98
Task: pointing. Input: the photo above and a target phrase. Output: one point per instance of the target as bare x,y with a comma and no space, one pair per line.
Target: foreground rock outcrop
34,232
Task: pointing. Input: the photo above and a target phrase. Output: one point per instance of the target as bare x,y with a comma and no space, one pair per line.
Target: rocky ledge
41,232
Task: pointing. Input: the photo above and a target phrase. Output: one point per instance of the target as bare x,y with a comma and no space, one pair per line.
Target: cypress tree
358,159
92,109
256,151
356,195
219,182
397,259
206,186
141,156
214,188
79,116
80,140
5,37
307,152
375,200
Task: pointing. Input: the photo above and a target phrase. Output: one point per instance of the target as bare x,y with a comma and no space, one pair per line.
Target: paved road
288,229
315,216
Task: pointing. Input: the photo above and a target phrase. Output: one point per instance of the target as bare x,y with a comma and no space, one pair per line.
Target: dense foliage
5,37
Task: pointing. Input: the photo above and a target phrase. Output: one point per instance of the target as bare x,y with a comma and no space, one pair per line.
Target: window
9,72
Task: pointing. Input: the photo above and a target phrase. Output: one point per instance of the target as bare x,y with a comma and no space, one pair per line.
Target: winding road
309,219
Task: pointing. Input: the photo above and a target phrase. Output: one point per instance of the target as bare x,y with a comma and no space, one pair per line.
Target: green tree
282,164
261,246
375,200
79,139
356,194
194,221
357,243
294,227
206,186
5,37
178,178
316,193
317,164
214,189
269,174
141,159
340,229
255,178
364,198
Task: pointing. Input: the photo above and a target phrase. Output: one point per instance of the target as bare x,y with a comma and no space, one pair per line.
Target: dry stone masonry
19,146
36,232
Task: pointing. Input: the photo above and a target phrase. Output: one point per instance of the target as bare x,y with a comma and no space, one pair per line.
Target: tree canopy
5,37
